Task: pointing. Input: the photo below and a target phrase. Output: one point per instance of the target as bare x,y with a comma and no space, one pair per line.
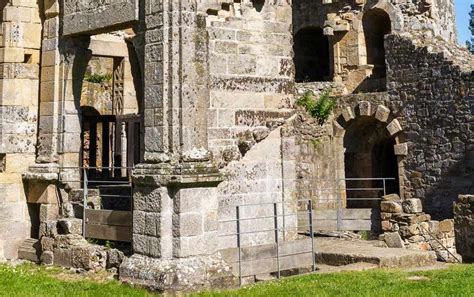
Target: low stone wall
405,225
60,238
464,226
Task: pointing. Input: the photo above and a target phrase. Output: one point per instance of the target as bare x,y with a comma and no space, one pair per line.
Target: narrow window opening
312,61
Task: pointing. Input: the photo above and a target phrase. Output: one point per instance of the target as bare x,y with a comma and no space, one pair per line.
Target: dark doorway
369,156
376,24
110,141
312,60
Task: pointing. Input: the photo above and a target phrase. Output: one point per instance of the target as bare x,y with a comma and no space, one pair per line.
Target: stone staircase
29,250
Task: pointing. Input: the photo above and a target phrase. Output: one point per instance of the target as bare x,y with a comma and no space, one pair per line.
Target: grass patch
458,280
31,280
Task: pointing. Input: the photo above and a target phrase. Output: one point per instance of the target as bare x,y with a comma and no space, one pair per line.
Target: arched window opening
312,60
376,24
369,154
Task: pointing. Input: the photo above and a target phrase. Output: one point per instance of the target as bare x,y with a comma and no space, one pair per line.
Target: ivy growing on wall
319,109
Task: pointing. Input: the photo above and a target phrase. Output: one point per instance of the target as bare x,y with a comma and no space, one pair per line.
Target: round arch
373,142
394,13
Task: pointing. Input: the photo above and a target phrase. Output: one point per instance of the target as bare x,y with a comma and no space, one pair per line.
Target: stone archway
394,13
372,138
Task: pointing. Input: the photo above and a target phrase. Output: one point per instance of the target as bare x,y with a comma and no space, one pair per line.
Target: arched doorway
376,24
369,158
312,60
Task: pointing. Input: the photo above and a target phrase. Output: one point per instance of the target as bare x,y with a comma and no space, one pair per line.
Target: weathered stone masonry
432,97
214,85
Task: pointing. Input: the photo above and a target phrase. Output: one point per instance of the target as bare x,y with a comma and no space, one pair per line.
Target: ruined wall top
433,17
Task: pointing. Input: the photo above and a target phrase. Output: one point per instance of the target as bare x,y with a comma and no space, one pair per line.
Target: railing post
84,201
384,189
239,244
339,208
311,231
275,215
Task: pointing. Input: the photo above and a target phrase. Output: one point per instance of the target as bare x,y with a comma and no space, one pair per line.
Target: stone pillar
176,82
175,195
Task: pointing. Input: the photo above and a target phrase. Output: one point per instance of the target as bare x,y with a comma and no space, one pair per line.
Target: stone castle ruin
178,130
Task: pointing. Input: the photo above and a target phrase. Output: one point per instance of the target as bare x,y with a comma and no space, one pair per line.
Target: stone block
62,257
365,108
382,113
81,18
339,131
401,149
386,226
394,127
348,114
42,193
48,229
12,55
391,197
47,243
412,205
49,212
47,258
114,258
391,207
190,224
446,226
410,230
393,240
68,240
70,226
89,257
419,218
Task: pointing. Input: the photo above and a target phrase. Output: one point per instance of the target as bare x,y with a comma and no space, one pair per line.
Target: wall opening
376,24
258,4
369,153
312,60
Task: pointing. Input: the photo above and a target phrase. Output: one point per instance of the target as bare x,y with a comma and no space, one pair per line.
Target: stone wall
405,225
464,226
431,94
251,94
20,41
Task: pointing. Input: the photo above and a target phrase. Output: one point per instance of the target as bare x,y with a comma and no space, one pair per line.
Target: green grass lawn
458,280
31,280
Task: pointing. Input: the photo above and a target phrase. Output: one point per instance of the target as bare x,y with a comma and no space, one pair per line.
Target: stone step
29,250
359,266
339,252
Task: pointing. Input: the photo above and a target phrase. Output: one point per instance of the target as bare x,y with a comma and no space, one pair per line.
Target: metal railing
279,231
341,195
88,183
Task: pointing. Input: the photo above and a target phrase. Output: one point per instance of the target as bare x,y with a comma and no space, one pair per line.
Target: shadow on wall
457,179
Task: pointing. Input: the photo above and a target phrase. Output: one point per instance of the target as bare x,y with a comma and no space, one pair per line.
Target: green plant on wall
97,78
319,109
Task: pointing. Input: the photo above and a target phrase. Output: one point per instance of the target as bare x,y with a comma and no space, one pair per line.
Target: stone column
176,82
175,195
